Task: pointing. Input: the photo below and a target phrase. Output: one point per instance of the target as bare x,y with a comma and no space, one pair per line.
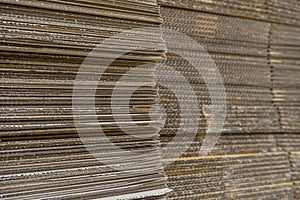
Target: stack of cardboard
43,45
295,164
254,9
239,49
240,176
288,142
284,12
75,120
237,167
285,62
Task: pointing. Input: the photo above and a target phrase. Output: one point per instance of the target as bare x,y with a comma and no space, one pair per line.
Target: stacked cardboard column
285,63
246,162
289,142
295,164
43,44
239,49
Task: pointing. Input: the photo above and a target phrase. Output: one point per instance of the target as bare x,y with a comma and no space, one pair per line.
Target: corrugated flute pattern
57,96
255,9
285,65
239,49
235,168
295,164
277,11
239,176
254,46
285,62
43,44
284,12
